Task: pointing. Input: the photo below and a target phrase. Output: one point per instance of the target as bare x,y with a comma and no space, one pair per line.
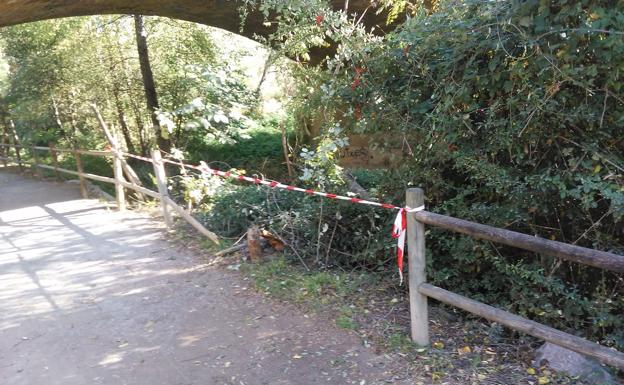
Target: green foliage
316,230
59,67
321,164
514,113
346,321
259,151
218,110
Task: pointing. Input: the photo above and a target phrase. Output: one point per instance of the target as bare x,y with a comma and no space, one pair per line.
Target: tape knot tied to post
398,232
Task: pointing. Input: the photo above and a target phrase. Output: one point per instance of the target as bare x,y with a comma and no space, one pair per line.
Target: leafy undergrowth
260,151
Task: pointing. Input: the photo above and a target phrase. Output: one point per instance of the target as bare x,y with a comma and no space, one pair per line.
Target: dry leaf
464,350
543,380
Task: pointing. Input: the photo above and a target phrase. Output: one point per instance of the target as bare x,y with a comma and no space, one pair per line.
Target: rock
575,364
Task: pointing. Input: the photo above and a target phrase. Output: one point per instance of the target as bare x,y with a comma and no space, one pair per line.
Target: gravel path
92,296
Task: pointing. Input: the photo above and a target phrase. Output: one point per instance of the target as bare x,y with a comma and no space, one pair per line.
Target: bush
514,114
348,235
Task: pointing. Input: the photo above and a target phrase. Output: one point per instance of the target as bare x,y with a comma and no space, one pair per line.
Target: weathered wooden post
4,146
119,188
161,181
419,313
83,181
36,160
5,153
17,146
54,155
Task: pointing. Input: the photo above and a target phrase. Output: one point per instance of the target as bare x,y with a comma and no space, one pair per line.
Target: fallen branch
229,250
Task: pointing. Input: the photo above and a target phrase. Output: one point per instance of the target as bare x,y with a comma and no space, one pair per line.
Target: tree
151,96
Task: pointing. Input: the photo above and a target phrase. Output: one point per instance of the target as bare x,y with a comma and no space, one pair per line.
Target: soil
93,296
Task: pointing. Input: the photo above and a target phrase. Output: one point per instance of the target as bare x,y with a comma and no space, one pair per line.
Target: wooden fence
419,289
119,167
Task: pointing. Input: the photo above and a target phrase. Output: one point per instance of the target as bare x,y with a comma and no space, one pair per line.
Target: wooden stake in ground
83,182
55,162
161,183
35,166
119,188
17,146
4,152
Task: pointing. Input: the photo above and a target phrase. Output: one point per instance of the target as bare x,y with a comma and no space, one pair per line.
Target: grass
280,279
346,322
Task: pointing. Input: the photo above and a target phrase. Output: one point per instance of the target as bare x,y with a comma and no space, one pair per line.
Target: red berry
319,19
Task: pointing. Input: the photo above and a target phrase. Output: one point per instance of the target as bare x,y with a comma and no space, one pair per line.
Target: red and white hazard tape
398,229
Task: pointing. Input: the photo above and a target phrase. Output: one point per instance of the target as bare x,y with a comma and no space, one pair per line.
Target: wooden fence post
119,189
4,154
36,160
415,197
54,155
83,182
161,181
4,144
17,146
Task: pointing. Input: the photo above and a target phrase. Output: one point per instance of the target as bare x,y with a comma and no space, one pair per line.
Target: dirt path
91,296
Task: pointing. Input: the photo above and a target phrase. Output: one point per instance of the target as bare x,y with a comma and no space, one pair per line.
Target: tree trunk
119,105
148,82
127,79
123,123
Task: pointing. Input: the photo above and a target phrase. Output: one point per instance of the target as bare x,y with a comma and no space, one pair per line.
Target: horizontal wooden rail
86,175
82,152
99,178
64,150
569,341
12,145
596,258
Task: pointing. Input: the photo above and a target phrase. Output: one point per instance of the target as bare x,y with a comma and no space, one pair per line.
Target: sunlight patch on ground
112,358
